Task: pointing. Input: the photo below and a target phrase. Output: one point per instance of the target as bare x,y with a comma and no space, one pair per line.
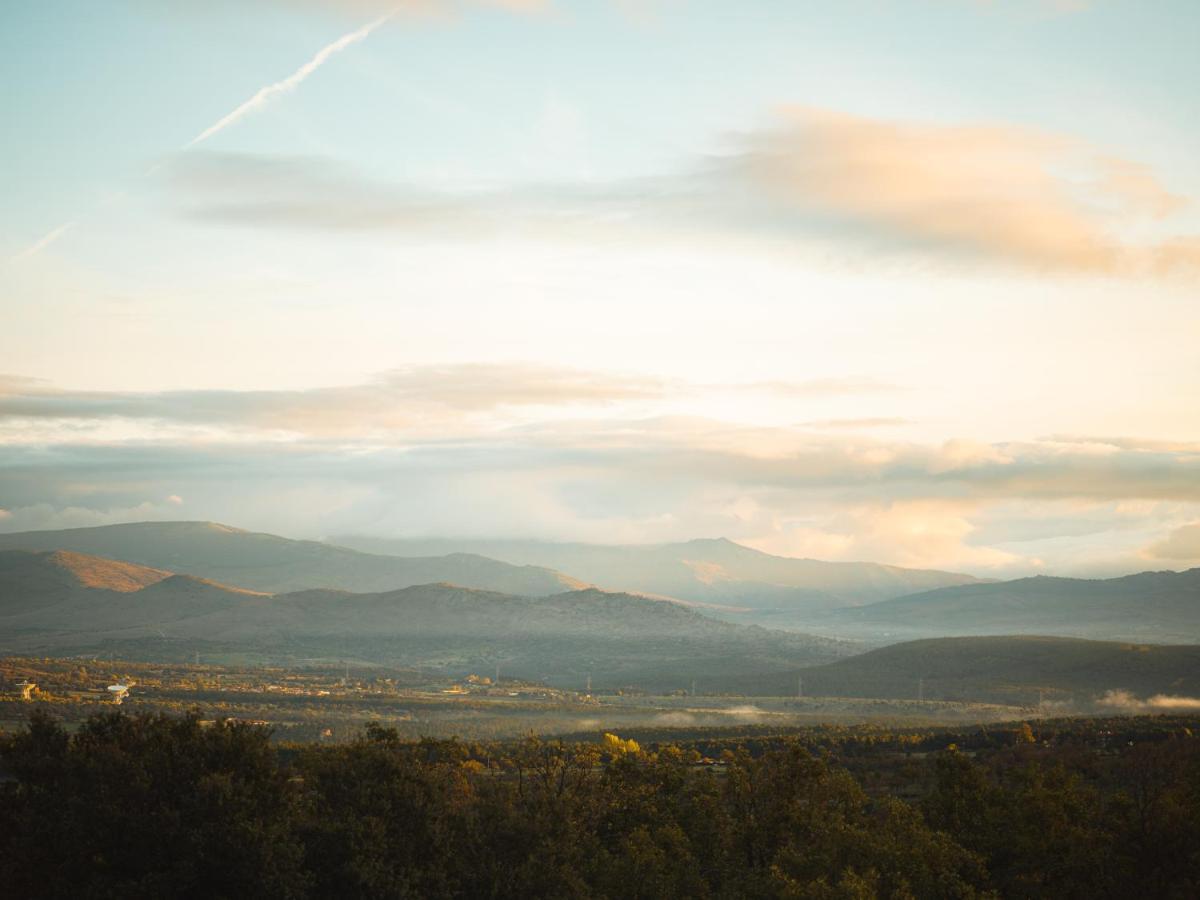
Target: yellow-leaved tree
615,745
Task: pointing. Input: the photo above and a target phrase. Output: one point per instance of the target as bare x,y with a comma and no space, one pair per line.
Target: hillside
619,638
31,580
1010,669
60,591
1151,606
265,562
715,572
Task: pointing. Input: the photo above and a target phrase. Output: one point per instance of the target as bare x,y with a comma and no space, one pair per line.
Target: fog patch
745,714
1126,702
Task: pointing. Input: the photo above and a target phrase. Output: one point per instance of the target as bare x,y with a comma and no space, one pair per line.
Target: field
334,703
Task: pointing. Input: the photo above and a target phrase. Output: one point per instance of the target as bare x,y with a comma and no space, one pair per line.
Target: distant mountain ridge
266,562
1010,669
1151,606
618,637
711,571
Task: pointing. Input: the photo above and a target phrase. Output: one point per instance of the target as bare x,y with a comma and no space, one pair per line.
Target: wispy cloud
996,194
42,243
410,399
866,422
839,497
415,398
260,99
822,387
272,91
294,192
581,455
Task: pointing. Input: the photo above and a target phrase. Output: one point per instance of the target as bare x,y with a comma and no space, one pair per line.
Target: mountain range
1060,672
1149,606
714,572
266,562
60,602
154,589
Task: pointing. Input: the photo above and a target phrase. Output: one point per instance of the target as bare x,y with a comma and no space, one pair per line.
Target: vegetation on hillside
153,806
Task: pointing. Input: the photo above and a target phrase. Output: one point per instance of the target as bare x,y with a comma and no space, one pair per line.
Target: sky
913,281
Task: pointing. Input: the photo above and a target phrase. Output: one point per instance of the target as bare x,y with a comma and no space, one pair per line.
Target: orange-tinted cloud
1001,192
1181,544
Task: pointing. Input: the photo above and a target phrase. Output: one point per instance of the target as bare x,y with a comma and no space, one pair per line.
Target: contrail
265,95
43,242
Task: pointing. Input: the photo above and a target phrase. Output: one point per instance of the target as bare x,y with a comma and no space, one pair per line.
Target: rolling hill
1008,669
31,581
265,562
60,591
716,572
1150,606
618,638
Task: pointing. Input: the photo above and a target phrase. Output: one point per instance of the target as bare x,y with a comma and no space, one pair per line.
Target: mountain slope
60,591
265,562
718,572
32,580
1020,669
621,639
1163,606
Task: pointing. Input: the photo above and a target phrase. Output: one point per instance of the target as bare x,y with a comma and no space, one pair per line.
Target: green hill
1006,669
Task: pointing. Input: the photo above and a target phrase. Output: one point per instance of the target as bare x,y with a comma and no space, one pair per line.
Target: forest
154,805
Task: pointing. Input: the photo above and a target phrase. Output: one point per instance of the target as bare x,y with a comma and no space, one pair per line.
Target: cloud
272,91
410,399
310,193
527,409
822,387
397,400
1000,194
260,99
1181,544
570,454
916,533
1107,443
785,459
784,490
45,516
876,422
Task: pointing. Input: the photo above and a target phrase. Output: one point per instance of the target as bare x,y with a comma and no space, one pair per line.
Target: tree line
137,806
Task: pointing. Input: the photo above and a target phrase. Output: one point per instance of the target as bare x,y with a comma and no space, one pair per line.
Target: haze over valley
600,449
173,590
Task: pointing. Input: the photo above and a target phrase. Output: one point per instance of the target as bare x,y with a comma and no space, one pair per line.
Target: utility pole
497,673
799,686
693,694
920,688
589,683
